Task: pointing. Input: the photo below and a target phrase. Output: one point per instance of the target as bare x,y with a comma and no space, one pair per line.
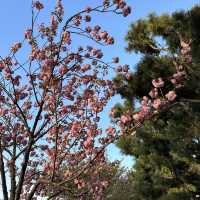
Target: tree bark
23,170
3,175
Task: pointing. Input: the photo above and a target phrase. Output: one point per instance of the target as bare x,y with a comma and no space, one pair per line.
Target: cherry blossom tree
50,141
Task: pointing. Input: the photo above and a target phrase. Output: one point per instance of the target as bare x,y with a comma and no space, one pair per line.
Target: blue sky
15,18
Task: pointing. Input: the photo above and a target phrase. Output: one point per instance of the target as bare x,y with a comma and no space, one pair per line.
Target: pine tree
167,147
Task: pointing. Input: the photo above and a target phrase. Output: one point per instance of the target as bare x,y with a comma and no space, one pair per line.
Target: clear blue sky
15,18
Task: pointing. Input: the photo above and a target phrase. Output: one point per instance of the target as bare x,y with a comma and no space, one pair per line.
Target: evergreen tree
167,147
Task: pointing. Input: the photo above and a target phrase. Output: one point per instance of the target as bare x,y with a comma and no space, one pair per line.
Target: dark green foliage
166,148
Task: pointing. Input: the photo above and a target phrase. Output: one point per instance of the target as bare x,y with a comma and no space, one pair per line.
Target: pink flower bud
88,9
87,18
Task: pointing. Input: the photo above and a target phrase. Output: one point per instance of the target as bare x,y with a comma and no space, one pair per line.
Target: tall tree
166,146
50,141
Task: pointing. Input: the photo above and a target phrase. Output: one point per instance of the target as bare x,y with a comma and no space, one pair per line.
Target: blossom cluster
156,100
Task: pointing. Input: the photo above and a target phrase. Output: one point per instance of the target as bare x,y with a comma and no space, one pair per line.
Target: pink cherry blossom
153,93
157,83
38,5
156,103
171,95
125,119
